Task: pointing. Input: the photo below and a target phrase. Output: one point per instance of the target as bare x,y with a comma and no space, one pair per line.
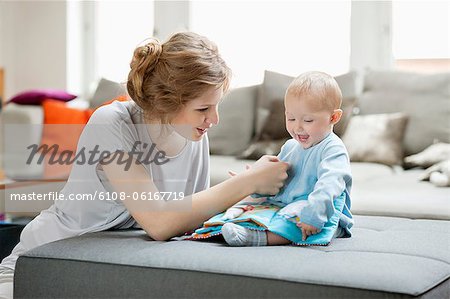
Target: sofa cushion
376,138
423,97
235,129
387,191
385,254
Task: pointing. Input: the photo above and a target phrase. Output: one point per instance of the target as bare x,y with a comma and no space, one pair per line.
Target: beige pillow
424,97
376,138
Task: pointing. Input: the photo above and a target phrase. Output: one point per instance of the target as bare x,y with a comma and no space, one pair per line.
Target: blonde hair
164,77
321,86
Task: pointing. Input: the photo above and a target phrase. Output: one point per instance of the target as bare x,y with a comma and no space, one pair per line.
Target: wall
2,44
33,42
170,17
371,35
2,81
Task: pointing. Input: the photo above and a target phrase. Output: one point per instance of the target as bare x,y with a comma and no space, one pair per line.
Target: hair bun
153,47
144,61
147,55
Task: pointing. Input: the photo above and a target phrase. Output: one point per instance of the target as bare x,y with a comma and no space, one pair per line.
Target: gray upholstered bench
387,257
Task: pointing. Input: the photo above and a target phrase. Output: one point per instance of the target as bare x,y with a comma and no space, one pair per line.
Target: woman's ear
336,116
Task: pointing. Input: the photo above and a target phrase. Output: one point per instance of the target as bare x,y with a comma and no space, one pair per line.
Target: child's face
307,121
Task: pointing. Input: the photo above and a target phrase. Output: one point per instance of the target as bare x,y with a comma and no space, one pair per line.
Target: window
286,37
120,27
421,35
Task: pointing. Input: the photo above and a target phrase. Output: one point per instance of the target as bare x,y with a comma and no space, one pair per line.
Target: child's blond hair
320,86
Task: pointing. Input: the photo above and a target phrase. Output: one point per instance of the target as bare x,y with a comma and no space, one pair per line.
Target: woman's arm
161,222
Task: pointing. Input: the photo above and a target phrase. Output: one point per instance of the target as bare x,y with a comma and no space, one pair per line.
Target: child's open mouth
302,138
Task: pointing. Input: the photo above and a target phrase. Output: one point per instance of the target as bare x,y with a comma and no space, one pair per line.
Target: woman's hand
268,175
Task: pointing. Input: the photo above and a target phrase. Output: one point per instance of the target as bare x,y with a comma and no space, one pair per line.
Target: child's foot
236,235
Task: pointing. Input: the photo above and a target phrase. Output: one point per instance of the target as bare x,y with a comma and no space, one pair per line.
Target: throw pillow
63,125
106,90
35,97
376,138
121,98
433,154
274,126
273,88
260,148
438,174
272,136
424,97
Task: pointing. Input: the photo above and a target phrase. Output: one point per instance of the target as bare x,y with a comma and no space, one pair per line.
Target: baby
320,166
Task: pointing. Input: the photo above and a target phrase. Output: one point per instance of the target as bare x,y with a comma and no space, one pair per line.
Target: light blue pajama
317,175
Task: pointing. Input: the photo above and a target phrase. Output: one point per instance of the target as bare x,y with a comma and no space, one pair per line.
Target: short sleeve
109,130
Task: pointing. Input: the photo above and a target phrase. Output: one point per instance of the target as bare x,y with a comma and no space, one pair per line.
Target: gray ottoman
386,257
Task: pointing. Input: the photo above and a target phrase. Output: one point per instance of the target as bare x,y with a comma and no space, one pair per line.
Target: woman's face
199,114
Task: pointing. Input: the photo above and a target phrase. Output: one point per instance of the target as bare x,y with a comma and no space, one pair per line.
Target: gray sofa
386,258
399,247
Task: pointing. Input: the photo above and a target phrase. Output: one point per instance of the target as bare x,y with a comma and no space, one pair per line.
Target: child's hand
232,213
232,173
307,230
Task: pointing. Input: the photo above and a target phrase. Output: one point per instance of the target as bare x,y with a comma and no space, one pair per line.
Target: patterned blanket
265,217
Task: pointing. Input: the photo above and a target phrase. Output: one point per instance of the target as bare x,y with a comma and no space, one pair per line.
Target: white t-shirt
115,127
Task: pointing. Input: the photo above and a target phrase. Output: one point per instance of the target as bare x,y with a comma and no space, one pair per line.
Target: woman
175,89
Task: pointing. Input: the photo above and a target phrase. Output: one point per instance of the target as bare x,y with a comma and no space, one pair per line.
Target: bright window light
421,29
289,37
121,26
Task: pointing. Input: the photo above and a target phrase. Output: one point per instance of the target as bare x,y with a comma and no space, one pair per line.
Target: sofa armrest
22,114
21,126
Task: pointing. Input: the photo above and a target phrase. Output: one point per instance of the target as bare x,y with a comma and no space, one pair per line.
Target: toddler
320,166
